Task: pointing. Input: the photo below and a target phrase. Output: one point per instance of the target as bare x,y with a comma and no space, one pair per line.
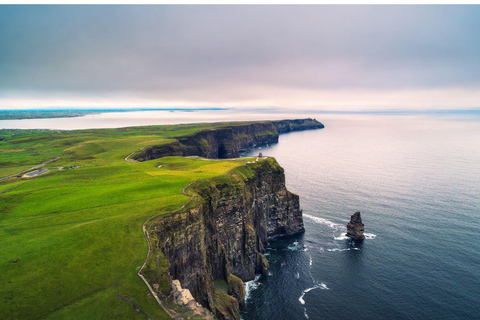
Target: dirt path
130,154
170,312
55,158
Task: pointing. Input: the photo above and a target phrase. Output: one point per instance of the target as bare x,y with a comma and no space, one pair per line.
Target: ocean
416,182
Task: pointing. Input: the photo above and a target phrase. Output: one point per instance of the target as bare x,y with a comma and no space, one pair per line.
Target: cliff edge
226,141
217,241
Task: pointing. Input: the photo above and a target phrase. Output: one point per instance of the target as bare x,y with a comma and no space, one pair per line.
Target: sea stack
355,227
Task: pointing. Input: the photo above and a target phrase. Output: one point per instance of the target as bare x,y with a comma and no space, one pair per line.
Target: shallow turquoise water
416,181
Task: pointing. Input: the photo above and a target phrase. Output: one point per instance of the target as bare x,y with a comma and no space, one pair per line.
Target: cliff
227,141
218,240
284,126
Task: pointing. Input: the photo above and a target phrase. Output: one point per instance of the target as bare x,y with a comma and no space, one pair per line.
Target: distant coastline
13,114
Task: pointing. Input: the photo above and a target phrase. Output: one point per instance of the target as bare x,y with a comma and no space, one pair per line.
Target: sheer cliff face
220,143
224,235
228,141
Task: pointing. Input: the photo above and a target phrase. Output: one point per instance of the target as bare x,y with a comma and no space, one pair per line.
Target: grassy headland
71,239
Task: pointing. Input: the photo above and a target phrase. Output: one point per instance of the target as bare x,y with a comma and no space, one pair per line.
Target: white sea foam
305,313
321,285
331,224
297,275
370,236
311,260
250,286
301,298
337,249
340,229
294,246
337,227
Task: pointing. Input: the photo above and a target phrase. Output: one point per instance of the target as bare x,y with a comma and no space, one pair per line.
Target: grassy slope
77,233
16,159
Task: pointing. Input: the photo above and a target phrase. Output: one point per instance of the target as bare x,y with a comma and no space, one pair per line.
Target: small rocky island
355,227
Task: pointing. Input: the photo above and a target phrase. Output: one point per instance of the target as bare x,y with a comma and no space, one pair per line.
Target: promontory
145,222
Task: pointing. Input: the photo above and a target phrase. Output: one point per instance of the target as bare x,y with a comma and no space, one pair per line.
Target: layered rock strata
219,240
227,141
355,228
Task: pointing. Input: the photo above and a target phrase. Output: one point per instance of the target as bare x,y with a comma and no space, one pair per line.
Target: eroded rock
224,237
182,297
355,228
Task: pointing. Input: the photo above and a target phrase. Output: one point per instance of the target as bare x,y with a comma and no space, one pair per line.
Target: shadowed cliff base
227,141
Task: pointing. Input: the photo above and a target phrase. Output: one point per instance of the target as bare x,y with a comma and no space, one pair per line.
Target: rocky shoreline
217,242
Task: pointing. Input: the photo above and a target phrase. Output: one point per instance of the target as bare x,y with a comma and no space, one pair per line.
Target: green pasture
13,159
76,234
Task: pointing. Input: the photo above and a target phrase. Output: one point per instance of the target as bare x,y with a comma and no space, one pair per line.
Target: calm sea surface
416,181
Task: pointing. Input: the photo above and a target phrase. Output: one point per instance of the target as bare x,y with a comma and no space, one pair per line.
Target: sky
319,57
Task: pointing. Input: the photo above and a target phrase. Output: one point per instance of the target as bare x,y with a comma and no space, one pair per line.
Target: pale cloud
252,56
278,99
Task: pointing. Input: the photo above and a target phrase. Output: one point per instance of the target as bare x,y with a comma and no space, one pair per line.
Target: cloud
230,54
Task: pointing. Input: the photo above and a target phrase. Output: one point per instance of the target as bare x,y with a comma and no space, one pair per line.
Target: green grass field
76,234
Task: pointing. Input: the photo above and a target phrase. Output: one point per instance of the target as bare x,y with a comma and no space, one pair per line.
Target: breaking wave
337,249
326,222
294,246
321,285
370,236
251,285
337,227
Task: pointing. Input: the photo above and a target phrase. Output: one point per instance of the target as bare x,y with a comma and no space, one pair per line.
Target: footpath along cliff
217,241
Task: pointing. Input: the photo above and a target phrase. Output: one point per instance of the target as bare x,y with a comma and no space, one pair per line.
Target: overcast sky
323,57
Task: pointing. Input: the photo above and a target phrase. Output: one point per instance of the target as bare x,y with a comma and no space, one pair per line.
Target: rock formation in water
219,240
355,227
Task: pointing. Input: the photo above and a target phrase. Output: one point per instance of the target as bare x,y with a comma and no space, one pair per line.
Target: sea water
416,182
